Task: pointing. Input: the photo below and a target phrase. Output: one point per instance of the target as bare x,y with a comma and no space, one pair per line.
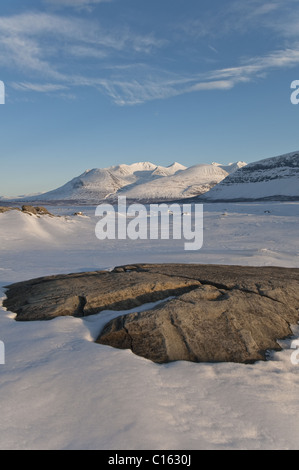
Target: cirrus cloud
71,51
78,4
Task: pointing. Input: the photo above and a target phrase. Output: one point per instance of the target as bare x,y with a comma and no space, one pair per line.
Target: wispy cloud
38,87
241,17
34,41
213,85
284,58
56,49
213,49
162,86
280,16
87,52
152,84
78,4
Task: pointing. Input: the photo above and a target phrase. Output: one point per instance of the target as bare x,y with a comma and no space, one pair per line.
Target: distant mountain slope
195,180
100,183
273,178
141,181
231,167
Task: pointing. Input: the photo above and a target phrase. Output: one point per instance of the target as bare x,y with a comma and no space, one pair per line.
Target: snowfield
60,390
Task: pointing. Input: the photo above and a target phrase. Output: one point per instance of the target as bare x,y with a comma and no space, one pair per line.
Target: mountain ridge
275,178
141,181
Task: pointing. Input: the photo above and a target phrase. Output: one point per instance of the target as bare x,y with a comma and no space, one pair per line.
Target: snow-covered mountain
231,167
273,178
186,183
142,181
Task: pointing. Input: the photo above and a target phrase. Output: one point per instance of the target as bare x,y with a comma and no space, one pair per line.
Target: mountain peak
176,164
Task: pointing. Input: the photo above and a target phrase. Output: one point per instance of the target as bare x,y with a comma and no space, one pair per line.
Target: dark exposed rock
236,315
203,326
38,210
219,313
50,297
6,209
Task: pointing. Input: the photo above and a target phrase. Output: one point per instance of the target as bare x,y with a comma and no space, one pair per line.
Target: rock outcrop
7,209
89,293
219,313
38,210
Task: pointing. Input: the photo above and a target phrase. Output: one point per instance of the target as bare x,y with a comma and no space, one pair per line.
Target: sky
95,83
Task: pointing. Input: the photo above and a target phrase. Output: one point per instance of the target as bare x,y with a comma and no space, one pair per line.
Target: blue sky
93,83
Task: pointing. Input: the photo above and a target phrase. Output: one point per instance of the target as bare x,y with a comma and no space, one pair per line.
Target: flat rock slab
219,313
85,294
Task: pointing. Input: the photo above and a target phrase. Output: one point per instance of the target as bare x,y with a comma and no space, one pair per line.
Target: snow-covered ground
60,390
